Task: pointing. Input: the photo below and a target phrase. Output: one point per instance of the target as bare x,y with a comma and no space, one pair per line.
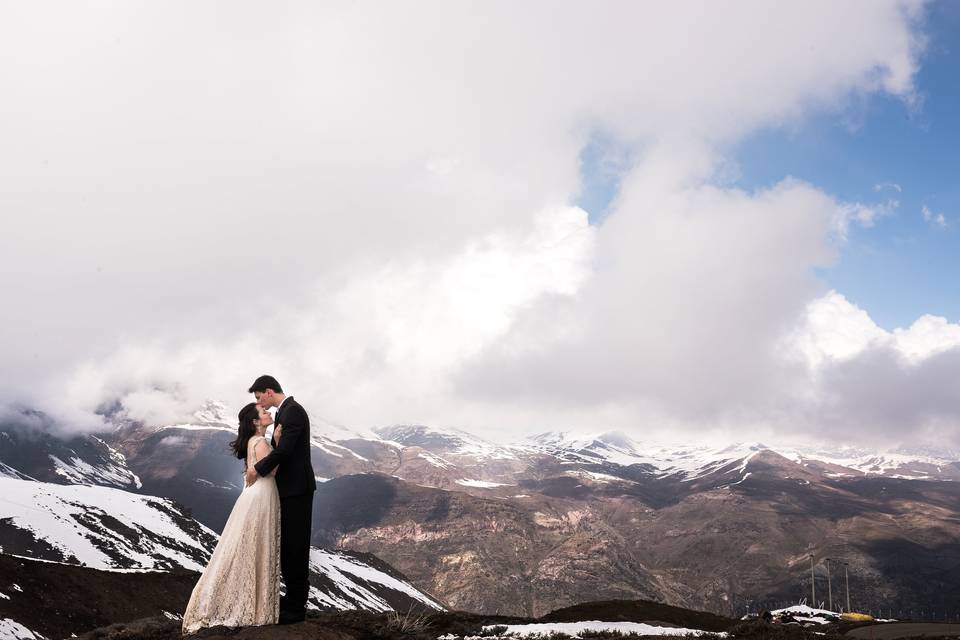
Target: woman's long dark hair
248,417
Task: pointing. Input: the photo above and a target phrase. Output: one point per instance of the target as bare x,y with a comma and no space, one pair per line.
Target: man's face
264,398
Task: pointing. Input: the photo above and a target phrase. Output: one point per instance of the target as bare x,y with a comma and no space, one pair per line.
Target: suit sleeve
294,428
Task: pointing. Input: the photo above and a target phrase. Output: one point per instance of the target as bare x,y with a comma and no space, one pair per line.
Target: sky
669,219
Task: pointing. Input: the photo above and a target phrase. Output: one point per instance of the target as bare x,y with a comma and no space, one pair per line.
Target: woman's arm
262,449
249,473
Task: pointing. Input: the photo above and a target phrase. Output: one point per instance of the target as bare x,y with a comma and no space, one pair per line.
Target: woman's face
265,418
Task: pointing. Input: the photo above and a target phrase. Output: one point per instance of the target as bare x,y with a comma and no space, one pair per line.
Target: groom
295,485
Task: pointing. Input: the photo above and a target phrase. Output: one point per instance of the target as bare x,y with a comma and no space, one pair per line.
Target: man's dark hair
263,383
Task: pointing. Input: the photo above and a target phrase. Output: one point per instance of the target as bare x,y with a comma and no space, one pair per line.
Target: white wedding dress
241,585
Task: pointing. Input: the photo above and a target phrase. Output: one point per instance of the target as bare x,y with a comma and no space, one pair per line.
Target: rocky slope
721,532
730,548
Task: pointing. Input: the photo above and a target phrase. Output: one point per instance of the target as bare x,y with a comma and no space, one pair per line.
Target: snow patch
352,579
319,443
198,427
575,629
13,630
481,484
78,471
806,613
436,461
605,478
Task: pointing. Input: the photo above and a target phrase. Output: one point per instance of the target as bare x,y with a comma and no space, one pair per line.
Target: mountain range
559,518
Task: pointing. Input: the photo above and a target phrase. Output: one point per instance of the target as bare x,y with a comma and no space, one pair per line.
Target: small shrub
760,630
604,634
408,623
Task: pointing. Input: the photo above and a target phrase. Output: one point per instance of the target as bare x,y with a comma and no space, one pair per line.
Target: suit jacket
295,476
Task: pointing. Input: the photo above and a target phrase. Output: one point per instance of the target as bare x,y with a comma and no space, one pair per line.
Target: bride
241,585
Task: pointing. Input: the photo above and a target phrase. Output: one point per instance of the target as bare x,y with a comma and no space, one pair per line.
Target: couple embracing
268,532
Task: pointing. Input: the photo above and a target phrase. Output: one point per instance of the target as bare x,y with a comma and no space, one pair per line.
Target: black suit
295,484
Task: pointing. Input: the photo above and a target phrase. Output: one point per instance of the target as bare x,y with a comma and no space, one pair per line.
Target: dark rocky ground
365,626
356,625
347,625
906,630
57,600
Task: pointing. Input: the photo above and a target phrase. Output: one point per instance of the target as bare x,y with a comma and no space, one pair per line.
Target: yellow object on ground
856,617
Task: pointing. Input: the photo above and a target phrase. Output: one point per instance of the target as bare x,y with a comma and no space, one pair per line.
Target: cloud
173,441
926,337
693,288
699,322
871,383
835,330
888,185
372,202
373,346
933,219
865,215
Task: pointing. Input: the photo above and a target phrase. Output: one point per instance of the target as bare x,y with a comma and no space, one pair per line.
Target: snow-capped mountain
902,463
449,441
611,446
616,451
84,459
190,461
99,527
692,461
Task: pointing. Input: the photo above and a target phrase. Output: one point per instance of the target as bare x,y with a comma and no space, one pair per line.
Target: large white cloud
885,385
373,202
363,346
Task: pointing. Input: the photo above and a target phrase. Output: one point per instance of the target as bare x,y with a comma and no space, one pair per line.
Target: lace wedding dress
241,585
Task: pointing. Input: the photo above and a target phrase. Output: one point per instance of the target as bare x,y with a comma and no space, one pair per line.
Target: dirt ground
893,630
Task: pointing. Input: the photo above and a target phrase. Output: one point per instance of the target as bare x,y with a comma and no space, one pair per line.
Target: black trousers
296,515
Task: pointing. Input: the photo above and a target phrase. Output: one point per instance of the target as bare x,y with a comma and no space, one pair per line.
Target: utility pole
829,585
813,586
846,579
